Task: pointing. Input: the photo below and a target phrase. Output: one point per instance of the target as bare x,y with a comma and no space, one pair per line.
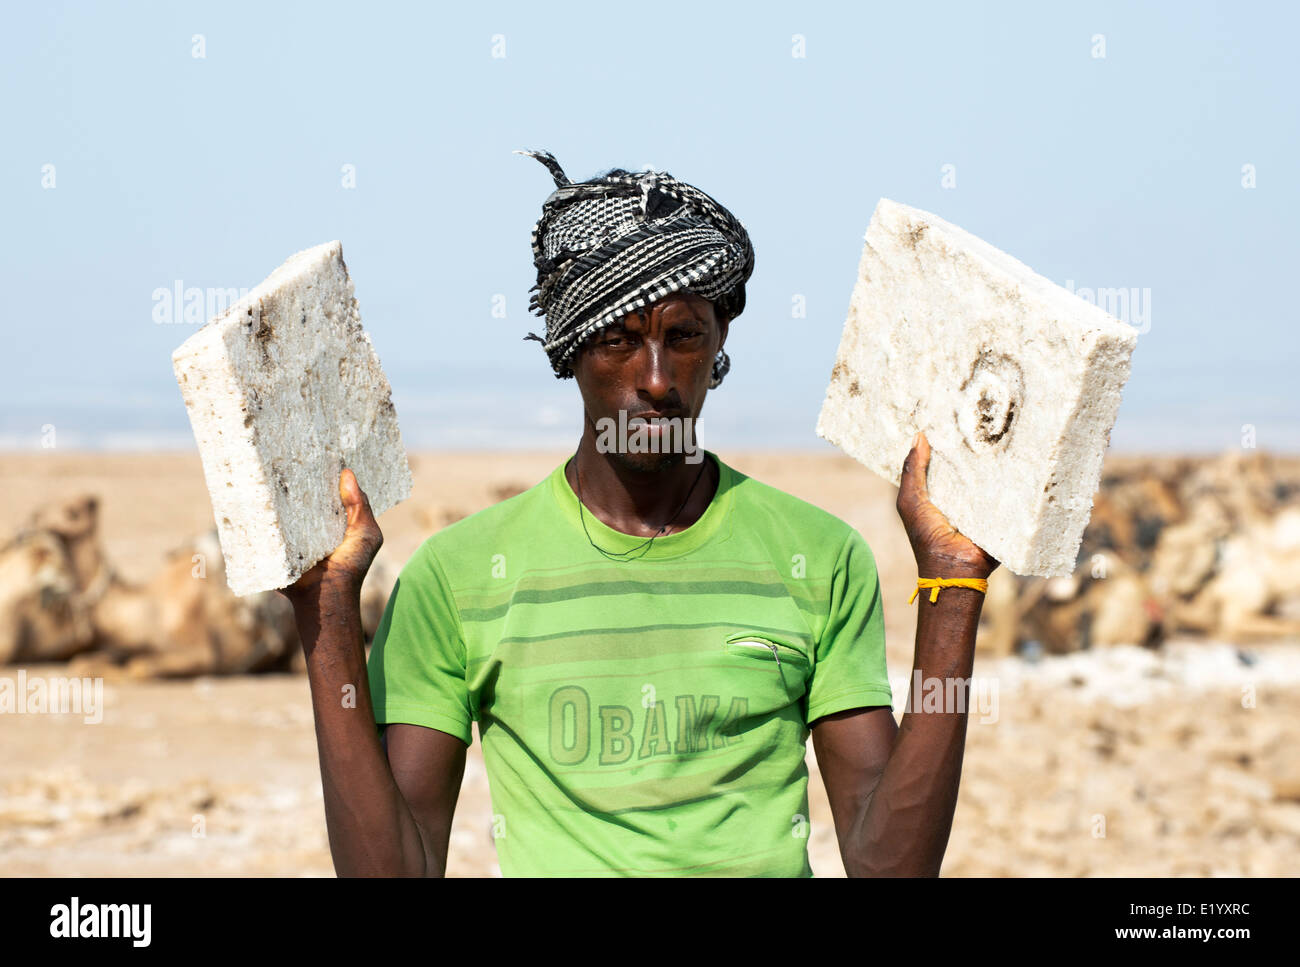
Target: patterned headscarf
610,246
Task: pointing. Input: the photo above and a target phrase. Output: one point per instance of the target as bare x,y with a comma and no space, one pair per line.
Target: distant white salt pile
1128,675
1015,381
284,390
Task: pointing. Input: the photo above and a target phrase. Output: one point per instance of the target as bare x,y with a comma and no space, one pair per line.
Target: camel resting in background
60,599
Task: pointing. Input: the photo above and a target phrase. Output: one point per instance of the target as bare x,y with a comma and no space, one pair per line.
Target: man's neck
638,502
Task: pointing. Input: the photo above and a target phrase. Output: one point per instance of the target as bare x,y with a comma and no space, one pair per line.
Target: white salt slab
283,390
1015,381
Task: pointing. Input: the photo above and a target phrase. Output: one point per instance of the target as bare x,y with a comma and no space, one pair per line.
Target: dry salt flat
1117,763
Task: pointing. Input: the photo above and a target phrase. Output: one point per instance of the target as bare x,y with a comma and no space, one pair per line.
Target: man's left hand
935,542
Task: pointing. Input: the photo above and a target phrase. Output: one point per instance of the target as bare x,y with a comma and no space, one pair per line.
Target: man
647,637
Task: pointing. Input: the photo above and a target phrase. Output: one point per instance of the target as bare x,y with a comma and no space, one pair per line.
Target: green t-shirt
641,717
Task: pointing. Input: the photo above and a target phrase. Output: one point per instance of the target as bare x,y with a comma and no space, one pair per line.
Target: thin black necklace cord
622,555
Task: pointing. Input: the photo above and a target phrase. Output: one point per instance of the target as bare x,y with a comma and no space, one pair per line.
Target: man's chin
647,462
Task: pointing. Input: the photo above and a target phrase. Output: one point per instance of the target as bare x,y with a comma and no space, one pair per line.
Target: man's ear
724,324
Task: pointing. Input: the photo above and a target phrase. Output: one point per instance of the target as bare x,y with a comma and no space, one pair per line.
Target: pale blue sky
1115,171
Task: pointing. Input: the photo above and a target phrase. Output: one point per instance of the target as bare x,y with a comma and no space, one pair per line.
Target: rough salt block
1015,381
284,390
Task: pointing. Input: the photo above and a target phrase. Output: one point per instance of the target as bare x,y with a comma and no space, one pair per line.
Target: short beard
646,462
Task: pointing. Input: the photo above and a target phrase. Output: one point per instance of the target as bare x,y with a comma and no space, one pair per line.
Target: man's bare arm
893,789
428,766
853,749
894,795
374,830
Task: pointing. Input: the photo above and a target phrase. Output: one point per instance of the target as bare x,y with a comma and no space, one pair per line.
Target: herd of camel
61,599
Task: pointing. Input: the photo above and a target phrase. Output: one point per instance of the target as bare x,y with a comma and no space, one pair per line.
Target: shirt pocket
789,665
765,648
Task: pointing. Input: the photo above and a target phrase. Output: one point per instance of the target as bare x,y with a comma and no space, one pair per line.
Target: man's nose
655,376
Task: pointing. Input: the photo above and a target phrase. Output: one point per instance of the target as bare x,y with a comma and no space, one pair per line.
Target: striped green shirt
643,717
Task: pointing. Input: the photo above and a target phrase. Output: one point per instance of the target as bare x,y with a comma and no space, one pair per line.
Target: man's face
656,363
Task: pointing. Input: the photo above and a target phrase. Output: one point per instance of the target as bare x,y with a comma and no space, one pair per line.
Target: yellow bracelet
934,584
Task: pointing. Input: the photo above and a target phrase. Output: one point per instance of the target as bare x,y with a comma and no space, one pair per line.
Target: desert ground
1119,761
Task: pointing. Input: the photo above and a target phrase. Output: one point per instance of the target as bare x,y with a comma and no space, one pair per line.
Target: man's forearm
372,831
905,826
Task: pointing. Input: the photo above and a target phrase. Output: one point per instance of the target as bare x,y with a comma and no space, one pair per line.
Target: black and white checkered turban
610,246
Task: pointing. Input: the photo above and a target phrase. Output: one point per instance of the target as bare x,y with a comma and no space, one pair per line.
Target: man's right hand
372,824
346,567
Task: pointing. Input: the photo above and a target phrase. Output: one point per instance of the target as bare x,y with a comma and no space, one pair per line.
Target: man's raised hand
346,567
935,542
